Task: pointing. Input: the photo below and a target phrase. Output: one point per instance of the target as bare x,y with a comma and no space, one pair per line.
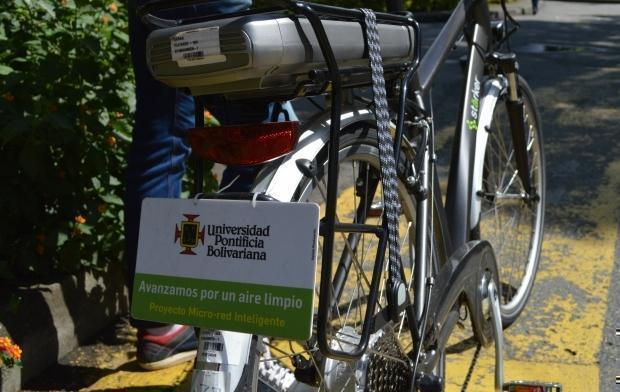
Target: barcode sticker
223,347
211,346
197,47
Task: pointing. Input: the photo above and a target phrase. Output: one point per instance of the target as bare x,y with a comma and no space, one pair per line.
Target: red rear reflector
246,144
528,388
532,386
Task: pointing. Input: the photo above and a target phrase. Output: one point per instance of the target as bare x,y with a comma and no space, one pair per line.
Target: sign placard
226,264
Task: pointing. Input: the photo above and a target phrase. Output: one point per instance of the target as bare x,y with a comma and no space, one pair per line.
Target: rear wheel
510,221
385,366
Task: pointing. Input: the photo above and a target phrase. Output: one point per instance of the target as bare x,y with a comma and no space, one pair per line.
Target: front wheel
510,220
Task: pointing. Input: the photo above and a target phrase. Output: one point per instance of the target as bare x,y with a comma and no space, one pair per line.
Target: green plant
66,89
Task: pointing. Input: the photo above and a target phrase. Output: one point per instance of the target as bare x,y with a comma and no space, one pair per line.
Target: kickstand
498,334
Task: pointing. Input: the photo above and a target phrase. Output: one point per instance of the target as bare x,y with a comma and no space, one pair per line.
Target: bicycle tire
513,225
358,156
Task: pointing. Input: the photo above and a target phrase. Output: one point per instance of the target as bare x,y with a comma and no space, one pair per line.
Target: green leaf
48,7
5,70
112,199
122,36
86,228
114,181
62,238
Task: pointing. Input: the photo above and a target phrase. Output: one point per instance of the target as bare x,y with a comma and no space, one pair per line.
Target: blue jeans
156,161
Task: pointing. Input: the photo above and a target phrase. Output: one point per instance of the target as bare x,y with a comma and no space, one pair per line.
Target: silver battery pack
266,55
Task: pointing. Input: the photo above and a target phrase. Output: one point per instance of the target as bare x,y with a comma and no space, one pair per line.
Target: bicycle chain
472,365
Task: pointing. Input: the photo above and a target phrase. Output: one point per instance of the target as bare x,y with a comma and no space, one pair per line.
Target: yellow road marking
558,337
573,377
145,380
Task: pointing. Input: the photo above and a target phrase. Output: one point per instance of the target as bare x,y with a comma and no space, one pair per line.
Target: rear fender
279,178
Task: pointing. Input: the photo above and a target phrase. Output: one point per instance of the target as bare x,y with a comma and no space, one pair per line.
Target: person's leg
156,164
156,160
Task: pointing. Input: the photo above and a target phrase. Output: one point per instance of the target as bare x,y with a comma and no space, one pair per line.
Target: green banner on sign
259,309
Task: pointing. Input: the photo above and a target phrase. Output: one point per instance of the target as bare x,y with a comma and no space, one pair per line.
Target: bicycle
370,334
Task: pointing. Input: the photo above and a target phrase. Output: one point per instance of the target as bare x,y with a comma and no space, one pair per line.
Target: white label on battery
223,347
197,47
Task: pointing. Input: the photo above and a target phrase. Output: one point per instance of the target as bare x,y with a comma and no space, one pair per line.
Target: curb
53,318
10,379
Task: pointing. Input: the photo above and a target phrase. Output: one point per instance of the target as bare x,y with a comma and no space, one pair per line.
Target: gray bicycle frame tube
473,16
454,220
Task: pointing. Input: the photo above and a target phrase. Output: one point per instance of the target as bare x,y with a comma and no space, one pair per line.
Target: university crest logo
189,234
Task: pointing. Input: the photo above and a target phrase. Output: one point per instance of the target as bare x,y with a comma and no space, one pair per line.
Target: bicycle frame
470,259
454,219
465,264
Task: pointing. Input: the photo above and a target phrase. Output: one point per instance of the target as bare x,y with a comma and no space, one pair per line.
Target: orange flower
79,219
105,19
10,348
119,115
208,115
113,8
111,141
8,97
39,249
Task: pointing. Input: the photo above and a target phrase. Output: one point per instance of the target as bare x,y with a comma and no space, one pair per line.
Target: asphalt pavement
570,54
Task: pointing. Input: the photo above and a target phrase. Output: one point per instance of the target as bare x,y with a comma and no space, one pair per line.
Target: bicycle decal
474,105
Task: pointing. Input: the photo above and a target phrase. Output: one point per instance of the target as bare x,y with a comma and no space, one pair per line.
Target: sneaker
161,351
